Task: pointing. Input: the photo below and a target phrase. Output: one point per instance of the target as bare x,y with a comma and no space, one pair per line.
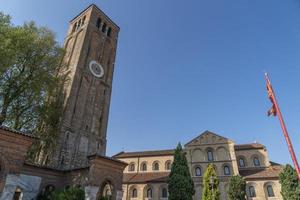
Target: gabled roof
144,153
97,8
271,172
204,134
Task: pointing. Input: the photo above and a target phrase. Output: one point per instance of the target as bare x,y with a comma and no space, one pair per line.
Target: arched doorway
106,192
18,194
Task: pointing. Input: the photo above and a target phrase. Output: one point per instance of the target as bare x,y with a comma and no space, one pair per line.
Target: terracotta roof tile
147,177
249,146
144,153
261,173
5,128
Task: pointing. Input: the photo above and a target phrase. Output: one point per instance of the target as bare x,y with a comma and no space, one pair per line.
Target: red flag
272,110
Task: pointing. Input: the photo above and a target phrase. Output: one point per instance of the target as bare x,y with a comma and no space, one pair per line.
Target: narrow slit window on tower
109,32
62,160
79,23
98,23
104,28
74,27
83,20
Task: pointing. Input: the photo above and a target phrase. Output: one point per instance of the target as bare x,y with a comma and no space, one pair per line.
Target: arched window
144,167
155,166
134,193
198,171
210,155
104,28
226,170
168,165
132,167
256,162
98,23
252,191
270,191
149,193
164,193
242,162
109,32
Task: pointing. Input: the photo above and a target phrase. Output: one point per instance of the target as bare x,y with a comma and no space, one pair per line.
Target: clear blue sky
184,67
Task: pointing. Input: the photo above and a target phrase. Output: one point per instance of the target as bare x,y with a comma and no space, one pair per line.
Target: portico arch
107,189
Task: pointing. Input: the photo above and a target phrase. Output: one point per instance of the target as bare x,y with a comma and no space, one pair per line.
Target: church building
147,172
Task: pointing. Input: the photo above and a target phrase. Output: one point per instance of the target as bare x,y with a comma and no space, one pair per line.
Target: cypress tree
211,184
237,188
180,182
290,187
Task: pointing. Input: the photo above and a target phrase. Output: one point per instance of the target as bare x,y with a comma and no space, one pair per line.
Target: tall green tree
290,185
31,80
237,188
180,183
211,184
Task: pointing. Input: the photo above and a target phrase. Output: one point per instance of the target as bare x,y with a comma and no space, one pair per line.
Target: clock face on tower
96,69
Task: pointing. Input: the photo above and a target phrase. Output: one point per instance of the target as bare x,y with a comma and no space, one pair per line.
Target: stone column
10,187
90,192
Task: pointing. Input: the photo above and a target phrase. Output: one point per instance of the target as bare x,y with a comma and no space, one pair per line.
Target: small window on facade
156,166
198,171
252,191
144,167
242,162
149,193
98,23
164,193
226,170
134,193
132,167
210,155
109,32
256,162
270,191
168,165
104,28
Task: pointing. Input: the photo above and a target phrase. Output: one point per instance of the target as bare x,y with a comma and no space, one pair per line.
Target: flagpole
285,132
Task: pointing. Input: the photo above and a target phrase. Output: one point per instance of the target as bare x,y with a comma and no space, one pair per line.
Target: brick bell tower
90,45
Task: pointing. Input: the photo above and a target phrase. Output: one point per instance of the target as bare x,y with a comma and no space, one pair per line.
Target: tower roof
97,8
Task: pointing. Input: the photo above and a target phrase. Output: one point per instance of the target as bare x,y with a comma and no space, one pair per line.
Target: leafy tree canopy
211,184
290,185
237,188
31,80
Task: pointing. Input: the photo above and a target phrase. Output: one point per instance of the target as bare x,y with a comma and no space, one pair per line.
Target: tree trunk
4,110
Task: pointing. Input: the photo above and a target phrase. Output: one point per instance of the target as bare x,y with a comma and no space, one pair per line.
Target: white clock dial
96,69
